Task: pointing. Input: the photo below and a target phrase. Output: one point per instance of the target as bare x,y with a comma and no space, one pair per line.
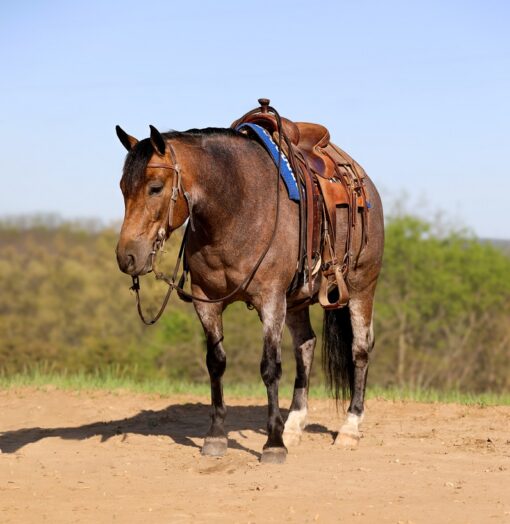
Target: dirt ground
99,457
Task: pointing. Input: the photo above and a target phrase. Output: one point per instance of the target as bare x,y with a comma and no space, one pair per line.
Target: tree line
441,313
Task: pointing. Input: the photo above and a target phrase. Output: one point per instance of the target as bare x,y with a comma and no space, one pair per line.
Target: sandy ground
98,457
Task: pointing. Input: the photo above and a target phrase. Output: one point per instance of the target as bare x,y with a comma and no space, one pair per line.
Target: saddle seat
329,163
313,137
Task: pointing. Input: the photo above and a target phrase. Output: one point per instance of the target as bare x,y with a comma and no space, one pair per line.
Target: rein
172,282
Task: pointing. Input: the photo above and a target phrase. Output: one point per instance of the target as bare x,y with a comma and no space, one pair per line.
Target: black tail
337,352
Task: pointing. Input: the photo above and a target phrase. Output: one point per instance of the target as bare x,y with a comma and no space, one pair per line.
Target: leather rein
172,281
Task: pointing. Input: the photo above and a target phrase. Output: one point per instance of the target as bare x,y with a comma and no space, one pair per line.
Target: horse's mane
138,158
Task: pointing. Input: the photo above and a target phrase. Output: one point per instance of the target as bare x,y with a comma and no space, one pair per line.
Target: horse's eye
155,190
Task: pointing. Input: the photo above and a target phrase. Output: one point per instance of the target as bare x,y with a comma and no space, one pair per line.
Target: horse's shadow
180,422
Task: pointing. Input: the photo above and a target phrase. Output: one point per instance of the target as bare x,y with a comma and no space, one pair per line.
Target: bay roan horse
228,182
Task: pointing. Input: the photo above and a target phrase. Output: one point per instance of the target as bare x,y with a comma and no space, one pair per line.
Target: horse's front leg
215,443
272,314
304,340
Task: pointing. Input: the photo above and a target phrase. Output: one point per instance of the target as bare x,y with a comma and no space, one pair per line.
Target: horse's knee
305,351
363,343
270,370
216,359
360,357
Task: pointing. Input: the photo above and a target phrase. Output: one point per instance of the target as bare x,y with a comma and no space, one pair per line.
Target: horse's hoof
273,456
214,446
347,440
291,438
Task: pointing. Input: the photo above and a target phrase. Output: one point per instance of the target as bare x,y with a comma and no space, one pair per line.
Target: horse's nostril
126,261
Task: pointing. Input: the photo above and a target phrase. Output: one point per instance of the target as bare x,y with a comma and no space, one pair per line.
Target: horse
243,246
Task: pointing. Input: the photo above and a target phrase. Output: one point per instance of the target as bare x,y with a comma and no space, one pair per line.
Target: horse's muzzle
133,263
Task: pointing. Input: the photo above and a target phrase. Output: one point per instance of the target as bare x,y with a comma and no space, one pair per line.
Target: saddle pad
285,170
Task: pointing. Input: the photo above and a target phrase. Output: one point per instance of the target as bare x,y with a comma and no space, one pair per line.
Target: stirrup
333,293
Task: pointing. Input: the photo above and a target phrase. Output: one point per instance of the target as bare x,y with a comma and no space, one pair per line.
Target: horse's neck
215,180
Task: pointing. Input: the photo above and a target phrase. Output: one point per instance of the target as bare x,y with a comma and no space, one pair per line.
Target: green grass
448,397
112,381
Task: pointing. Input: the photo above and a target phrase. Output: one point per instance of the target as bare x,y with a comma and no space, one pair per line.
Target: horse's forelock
135,165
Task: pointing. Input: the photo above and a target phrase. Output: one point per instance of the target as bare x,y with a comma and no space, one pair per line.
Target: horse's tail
337,359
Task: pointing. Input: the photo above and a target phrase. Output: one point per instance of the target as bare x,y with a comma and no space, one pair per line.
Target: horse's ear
157,140
126,140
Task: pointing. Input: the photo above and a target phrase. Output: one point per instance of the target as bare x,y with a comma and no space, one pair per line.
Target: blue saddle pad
285,170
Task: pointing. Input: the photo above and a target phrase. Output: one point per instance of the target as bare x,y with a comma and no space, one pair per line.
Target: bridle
178,284
159,243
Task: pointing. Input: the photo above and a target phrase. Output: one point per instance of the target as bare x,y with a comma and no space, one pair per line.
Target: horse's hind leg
215,443
272,314
304,340
361,313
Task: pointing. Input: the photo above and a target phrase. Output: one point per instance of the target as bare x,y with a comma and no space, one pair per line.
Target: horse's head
150,179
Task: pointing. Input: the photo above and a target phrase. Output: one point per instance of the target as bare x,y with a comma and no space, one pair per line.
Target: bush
442,309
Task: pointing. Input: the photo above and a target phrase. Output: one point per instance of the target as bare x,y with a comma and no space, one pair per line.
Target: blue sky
417,92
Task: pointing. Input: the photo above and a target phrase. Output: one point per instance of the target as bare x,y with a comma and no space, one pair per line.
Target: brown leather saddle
329,180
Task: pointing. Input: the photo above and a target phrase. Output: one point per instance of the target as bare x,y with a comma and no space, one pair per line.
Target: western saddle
329,180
